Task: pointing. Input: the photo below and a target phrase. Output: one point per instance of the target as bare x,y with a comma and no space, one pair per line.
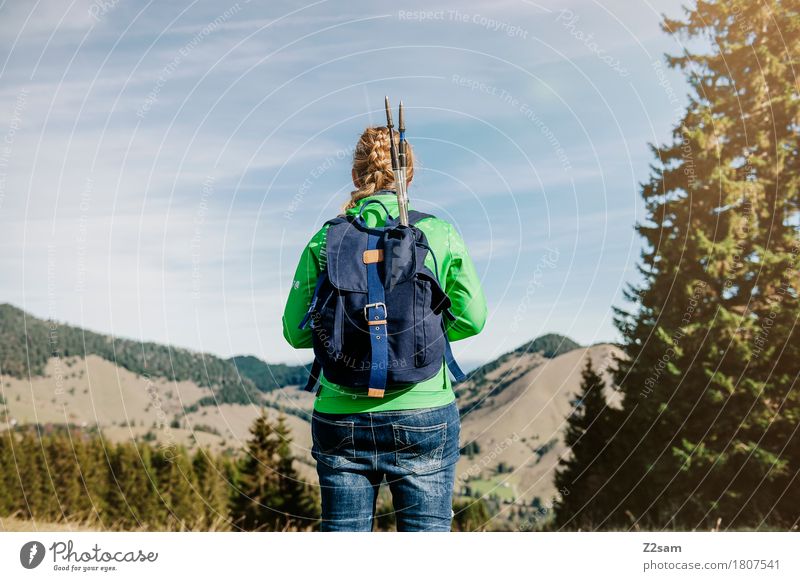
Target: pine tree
583,475
299,503
94,468
270,495
252,508
78,476
214,491
471,515
37,500
65,481
130,488
177,488
9,486
709,381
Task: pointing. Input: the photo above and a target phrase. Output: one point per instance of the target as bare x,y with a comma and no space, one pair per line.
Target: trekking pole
401,159
402,200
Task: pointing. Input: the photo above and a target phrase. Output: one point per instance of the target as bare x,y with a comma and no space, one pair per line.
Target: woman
411,435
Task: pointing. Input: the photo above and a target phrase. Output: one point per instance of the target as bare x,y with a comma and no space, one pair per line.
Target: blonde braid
372,162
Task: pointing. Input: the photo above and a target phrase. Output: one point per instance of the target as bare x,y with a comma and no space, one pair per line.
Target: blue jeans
416,450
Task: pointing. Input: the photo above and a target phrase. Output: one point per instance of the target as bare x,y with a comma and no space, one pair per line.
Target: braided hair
372,164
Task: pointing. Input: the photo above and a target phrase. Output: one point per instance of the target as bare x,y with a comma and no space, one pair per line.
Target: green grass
499,485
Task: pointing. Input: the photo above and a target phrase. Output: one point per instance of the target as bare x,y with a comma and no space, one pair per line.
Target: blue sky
162,164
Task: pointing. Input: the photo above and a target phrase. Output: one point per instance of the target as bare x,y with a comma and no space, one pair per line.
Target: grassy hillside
522,358
26,344
512,426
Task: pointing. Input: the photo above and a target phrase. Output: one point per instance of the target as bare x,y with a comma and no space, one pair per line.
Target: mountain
513,416
27,344
525,356
513,409
549,346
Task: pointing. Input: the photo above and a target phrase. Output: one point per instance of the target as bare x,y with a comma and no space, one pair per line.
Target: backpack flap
346,247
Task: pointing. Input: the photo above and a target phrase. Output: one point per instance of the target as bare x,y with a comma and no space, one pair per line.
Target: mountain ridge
28,342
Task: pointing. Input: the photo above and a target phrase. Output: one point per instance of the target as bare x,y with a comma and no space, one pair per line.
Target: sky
162,164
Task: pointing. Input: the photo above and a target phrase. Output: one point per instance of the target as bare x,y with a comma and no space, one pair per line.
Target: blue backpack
377,314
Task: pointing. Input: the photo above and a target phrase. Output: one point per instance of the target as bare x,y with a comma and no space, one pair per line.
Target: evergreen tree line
270,376
80,477
707,437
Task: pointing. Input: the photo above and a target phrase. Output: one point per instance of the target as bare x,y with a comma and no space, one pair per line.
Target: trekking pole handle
402,190
396,169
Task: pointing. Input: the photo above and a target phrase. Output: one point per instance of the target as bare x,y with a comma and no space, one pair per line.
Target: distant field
501,485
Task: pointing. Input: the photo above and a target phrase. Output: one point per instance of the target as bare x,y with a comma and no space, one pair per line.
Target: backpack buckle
375,305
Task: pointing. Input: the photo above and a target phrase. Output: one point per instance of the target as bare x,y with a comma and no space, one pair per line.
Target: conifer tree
94,469
9,486
78,476
253,508
471,515
130,489
177,488
299,502
583,474
710,377
270,495
214,491
36,500
64,482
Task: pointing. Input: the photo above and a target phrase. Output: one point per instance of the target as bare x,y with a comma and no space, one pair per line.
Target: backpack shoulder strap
313,376
340,219
415,216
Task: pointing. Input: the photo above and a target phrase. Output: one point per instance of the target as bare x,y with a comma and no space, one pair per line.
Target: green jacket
459,280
